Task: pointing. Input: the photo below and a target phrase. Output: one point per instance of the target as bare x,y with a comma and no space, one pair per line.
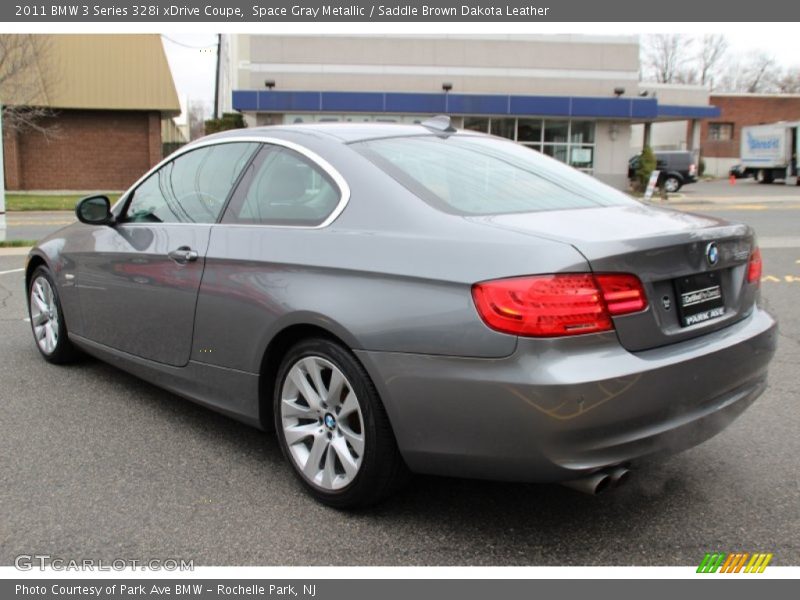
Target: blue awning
634,109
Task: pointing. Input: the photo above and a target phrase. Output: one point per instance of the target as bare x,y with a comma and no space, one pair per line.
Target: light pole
216,79
2,182
446,87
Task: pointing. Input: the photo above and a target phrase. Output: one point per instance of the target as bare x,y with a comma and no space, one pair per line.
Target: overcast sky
192,57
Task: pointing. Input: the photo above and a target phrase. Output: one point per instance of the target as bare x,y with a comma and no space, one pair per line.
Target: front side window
473,175
283,187
192,188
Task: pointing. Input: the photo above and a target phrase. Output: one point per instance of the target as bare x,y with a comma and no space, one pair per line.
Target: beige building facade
574,97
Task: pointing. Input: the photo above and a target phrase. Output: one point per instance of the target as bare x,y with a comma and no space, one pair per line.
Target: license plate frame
699,298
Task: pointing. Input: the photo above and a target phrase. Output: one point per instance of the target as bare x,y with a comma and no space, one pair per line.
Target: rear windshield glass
483,176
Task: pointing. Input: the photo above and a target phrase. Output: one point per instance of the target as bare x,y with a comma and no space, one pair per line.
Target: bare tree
759,73
664,56
24,69
712,51
669,58
789,82
196,119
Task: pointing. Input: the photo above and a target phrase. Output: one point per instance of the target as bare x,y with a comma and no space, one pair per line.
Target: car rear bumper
556,409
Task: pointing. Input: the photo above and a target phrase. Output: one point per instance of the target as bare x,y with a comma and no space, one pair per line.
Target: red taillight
556,305
622,293
692,169
754,267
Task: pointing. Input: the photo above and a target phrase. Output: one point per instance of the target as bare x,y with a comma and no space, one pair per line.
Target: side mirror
95,210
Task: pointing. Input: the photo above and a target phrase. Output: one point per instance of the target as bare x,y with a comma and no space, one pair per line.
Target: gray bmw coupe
399,298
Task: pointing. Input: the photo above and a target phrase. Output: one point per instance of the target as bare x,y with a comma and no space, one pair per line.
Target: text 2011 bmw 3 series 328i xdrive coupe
413,298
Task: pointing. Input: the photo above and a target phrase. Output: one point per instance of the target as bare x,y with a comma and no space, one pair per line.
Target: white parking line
12,271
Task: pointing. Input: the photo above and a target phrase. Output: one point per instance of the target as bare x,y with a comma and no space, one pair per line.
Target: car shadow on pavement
460,521
448,502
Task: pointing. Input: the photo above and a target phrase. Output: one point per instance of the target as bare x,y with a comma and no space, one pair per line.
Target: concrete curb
17,251
728,201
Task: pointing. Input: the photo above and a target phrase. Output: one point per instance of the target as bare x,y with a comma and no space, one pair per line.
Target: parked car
411,297
677,169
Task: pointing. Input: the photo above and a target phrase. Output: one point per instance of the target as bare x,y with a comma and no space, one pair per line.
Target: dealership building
574,97
102,100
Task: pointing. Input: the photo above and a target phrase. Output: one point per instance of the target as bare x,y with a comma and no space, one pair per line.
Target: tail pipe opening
599,482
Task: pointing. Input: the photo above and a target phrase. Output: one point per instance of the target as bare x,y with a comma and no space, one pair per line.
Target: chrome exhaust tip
593,484
619,476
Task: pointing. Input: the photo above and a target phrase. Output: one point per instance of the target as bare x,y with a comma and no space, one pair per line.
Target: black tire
764,176
382,470
64,351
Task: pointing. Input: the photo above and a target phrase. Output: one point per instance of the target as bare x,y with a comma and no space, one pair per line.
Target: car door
138,287
256,267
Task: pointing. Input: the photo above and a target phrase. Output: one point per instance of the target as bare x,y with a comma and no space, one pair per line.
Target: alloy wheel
44,315
671,185
322,423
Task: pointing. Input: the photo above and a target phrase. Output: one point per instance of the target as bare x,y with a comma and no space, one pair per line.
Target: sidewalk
745,192
16,251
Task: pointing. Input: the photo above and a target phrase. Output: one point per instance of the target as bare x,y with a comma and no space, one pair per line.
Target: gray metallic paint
562,406
391,277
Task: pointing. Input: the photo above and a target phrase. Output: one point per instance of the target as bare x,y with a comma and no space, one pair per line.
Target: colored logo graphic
735,562
762,143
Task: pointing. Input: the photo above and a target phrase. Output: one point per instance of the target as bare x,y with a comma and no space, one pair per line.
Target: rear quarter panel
388,293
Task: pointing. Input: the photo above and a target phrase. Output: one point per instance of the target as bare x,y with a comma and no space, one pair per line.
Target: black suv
677,168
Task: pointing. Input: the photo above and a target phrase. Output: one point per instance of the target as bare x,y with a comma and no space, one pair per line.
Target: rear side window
192,188
283,187
469,175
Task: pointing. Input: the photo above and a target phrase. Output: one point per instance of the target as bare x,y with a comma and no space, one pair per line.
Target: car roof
343,132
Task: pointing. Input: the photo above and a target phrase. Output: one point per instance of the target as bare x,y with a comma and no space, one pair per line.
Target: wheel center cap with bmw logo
712,254
330,421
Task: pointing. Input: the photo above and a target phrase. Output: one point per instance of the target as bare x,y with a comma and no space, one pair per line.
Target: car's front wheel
47,319
333,428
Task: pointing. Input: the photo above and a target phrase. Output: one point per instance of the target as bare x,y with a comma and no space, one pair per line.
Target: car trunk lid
689,294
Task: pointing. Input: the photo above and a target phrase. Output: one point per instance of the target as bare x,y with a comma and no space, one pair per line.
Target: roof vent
439,123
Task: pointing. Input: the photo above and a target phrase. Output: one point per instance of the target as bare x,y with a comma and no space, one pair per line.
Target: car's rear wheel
47,319
333,428
672,184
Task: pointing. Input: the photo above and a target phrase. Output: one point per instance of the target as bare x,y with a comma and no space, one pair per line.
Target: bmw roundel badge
712,254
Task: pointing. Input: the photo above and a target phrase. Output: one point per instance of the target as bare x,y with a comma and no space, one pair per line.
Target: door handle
183,255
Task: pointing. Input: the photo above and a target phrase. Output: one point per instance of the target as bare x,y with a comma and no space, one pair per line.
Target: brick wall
743,111
86,150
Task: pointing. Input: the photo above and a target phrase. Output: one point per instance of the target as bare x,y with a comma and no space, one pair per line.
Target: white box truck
769,152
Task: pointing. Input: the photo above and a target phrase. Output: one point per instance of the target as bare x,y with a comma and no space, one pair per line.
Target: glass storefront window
557,151
529,130
476,124
504,128
581,157
556,131
582,132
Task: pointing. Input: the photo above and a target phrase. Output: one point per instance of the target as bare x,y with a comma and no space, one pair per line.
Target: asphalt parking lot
96,463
